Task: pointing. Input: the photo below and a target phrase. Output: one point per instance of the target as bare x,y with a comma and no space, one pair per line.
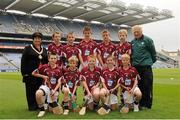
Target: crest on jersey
91,83
70,84
110,82
53,80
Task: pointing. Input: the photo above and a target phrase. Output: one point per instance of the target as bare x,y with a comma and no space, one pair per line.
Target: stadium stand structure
167,60
9,62
69,16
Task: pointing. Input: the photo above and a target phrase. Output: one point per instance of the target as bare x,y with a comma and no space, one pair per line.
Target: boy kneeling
71,81
51,74
91,81
128,82
108,92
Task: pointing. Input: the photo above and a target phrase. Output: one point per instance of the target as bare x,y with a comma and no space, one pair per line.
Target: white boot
41,114
136,108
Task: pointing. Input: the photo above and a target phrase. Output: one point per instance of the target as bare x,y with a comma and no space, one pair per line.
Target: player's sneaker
45,106
121,106
66,112
136,108
124,109
82,111
41,114
108,110
96,108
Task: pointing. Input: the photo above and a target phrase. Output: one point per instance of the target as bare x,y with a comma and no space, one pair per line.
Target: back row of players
103,68
88,47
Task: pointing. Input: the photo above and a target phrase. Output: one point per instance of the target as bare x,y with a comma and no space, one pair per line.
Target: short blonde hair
73,58
123,31
92,57
126,56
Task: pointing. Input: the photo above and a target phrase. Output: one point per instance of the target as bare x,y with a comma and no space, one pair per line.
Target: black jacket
30,60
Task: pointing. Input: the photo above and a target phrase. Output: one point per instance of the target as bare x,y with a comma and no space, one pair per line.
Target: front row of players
100,86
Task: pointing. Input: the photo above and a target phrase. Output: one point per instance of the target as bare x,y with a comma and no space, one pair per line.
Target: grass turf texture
166,102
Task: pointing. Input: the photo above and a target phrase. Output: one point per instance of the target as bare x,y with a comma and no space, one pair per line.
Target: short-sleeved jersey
53,73
87,48
110,78
71,50
91,77
58,50
122,49
105,50
71,78
127,77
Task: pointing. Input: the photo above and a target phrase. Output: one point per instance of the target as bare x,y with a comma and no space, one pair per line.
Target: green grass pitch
166,102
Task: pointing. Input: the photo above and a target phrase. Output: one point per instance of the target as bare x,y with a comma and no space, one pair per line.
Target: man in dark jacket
33,56
143,57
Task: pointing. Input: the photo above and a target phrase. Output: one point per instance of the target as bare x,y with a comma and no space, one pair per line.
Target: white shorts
129,98
113,99
48,93
90,99
135,89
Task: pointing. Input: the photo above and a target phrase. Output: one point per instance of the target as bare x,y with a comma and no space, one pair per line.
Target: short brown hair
70,33
51,53
110,56
87,28
55,33
105,31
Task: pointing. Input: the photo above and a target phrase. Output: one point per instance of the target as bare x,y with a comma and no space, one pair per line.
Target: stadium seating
29,24
18,24
10,61
7,24
160,64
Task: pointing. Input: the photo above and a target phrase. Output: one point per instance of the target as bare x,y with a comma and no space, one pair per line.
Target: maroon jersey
110,78
122,49
127,77
71,78
71,50
105,50
58,50
87,48
91,77
53,73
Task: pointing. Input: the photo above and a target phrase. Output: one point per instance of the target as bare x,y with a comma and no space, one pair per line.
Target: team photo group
104,70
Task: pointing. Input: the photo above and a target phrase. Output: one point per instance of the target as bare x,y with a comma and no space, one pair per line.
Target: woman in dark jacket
33,56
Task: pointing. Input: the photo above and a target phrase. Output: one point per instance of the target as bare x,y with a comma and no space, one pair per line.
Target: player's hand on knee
111,90
53,92
131,91
89,95
73,97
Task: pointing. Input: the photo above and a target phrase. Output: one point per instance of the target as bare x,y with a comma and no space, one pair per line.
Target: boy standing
123,47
